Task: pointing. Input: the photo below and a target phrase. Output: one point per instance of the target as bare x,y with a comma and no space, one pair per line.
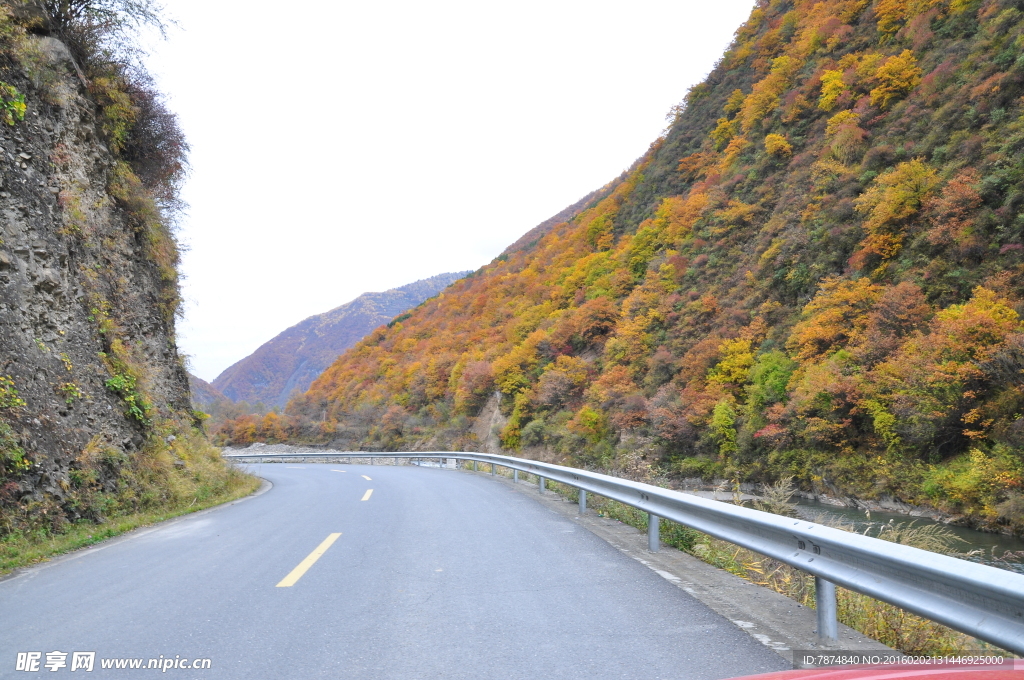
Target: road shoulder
142,530
771,618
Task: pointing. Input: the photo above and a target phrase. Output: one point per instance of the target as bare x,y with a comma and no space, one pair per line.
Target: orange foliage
836,317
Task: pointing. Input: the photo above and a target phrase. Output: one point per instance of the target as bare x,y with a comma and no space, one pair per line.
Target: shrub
12,104
777,145
124,385
8,394
12,456
704,468
891,201
832,86
96,29
101,35
723,133
155,146
896,77
533,433
723,428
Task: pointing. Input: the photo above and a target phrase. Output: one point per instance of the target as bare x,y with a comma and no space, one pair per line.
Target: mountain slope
531,237
293,359
817,272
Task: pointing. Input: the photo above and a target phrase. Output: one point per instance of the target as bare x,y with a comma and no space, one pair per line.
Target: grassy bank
168,479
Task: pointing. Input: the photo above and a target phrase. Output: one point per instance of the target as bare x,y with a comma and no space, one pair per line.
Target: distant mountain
204,395
293,359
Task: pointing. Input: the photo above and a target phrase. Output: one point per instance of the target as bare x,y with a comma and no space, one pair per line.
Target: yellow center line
366,478
366,496
296,573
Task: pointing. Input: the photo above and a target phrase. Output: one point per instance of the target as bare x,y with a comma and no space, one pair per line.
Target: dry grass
164,481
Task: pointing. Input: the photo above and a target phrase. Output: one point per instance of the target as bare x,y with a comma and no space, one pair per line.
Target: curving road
435,574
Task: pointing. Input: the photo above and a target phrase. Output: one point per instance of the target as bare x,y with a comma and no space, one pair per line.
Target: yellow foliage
866,65
590,423
512,371
840,120
987,304
765,95
734,366
832,86
735,102
777,145
892,199
596,222
893,14
973,481
575,369
896,77
818,24
118,111
632,341
723,133
844,136
736,212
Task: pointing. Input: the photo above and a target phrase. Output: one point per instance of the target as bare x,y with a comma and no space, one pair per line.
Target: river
991,546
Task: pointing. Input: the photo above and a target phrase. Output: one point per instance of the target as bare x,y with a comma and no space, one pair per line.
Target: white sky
342,147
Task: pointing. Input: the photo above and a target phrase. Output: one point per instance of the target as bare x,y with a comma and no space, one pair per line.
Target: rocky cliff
94,398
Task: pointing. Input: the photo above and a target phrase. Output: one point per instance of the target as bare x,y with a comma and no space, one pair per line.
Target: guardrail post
515,476
825,601
475,469
540,484
583,501
653,534
494,469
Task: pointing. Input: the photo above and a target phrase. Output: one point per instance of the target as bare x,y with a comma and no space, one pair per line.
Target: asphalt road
436,574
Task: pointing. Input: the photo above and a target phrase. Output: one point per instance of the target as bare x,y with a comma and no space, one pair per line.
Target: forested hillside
291,360
816,272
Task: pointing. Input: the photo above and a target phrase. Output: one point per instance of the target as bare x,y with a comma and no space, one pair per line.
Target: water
992,546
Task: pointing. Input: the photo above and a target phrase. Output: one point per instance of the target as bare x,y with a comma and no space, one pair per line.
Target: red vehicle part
914,668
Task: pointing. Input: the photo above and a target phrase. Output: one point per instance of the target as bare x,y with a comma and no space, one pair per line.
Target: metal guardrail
976,599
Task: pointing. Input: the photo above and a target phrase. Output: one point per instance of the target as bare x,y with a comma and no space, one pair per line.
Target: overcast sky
342,147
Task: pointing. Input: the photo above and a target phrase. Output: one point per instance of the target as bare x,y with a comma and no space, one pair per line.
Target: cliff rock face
88,291
292,360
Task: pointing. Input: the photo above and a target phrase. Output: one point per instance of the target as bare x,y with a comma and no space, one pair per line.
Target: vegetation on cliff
95,417
816,272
